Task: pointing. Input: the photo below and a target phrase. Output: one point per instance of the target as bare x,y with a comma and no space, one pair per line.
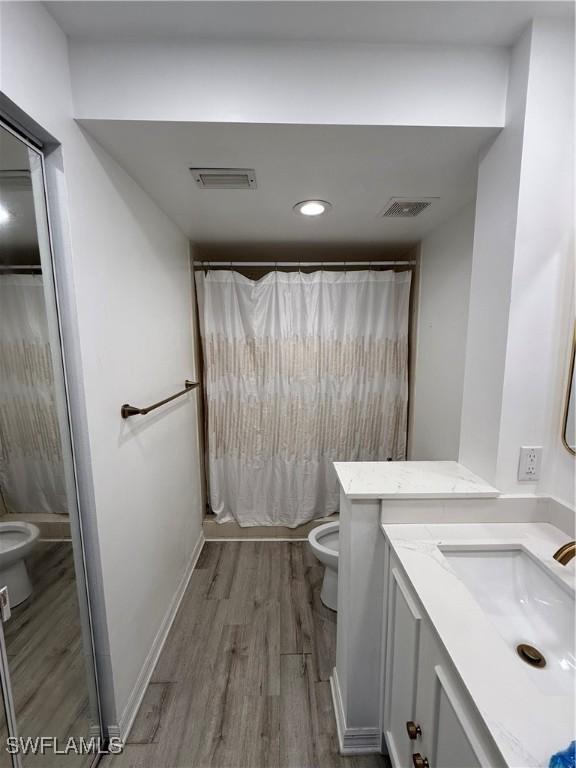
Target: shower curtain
31,465
300,370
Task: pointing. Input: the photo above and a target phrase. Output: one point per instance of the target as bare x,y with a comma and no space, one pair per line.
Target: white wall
537,340
131,278
521,286
214,81
492,260
444,288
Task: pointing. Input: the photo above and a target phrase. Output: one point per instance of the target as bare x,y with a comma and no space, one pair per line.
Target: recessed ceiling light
312,207
4,215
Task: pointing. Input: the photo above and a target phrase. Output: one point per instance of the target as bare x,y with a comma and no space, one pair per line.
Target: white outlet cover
529,464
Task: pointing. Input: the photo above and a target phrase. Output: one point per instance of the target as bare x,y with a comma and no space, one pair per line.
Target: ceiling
358,169
434,21
355,168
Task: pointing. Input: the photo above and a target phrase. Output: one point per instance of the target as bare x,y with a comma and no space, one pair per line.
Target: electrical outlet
529,466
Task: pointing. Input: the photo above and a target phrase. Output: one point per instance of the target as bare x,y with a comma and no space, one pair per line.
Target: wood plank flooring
243,680
45,656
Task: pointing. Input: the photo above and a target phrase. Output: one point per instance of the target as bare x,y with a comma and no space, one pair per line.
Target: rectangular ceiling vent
224,178
398,208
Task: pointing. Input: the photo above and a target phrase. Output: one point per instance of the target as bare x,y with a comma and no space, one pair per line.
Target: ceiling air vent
224,178
396,207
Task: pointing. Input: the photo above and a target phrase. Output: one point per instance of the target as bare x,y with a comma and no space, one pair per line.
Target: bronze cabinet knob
413,729
419,761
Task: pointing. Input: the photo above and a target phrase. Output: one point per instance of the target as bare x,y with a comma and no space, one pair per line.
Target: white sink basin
527,605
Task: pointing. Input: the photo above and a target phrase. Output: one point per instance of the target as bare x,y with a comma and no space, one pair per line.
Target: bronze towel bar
131,410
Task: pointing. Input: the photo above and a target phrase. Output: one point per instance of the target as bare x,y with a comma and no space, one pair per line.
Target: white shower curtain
31,465
300,370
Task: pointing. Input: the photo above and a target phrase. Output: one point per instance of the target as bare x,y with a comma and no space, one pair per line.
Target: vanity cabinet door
403,637
453,736
453,746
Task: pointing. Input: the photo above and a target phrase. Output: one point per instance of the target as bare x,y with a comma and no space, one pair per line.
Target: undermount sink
527,606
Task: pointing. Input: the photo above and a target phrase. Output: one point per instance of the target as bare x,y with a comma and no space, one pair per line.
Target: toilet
17,540
324,541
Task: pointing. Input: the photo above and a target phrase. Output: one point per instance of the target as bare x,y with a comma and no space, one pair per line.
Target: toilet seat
325,538
14,535
325,543
16,542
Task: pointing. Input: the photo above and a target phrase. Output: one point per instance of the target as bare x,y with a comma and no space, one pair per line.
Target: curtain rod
201,264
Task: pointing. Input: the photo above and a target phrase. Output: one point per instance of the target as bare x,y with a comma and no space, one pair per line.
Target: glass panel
569,435
5,757
48,642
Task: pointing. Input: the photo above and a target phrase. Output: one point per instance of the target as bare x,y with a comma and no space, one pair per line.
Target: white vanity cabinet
401,668
428,717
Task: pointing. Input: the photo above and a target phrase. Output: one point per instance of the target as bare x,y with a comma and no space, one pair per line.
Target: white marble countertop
410,480
528,724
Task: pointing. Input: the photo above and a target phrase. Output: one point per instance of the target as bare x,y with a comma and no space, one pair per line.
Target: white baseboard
122,729
352,741
256,538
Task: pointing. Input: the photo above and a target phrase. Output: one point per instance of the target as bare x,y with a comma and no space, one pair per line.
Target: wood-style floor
45,656
243,680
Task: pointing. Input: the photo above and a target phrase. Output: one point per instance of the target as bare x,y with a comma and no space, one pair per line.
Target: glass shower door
50,676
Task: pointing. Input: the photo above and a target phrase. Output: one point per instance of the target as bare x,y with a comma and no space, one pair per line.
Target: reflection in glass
47,638
570,418
31,465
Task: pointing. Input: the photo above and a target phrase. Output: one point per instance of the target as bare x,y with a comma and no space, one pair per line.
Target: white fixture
426,712
224,178
526,605
312,207
324,541
498,688
4,215
529,466
16,542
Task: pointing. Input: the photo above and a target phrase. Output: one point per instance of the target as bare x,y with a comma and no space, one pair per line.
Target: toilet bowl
16,542
324,541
